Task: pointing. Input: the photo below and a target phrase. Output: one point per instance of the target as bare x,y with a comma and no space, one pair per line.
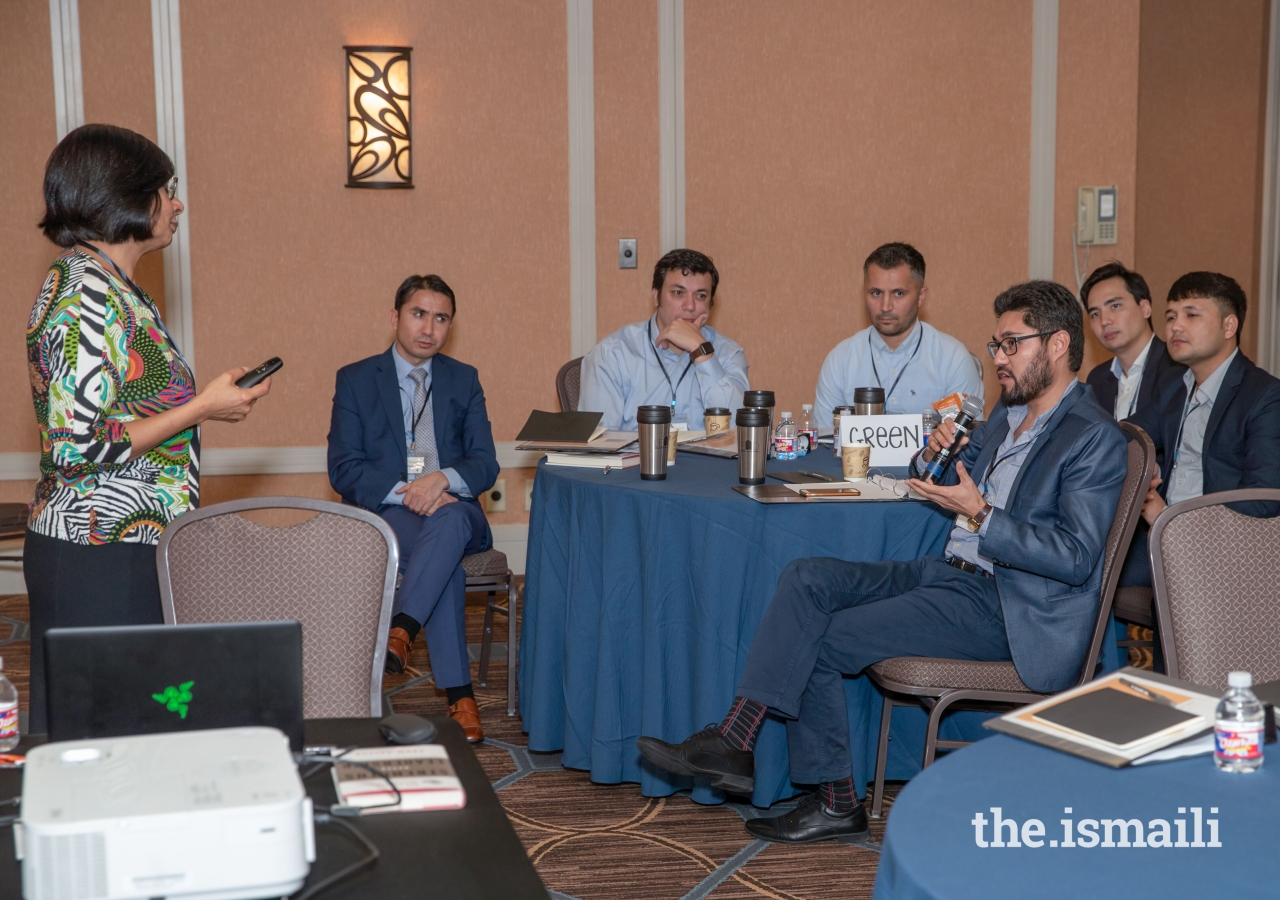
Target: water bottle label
783,445
1238,740
8,722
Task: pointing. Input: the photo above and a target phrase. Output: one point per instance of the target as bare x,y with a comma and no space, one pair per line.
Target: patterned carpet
591,841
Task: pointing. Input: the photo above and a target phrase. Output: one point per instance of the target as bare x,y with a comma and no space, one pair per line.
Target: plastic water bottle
10,733
931,421
806,430
784,438
1237,734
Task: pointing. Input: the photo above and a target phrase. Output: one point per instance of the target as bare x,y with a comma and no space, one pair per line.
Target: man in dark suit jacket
1019,580
1216,425
1117,303
410,440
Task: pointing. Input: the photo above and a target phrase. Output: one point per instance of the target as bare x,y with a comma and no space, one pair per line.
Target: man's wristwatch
705,349
975,521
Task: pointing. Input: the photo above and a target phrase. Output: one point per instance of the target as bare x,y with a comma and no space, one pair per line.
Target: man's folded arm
349,472
1091,482
721,382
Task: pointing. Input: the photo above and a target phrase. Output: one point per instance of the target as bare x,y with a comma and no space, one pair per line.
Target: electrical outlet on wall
495,499
528,494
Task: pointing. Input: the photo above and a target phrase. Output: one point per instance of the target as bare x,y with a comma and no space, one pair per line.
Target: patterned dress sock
838,796
454,694
742,725
408,623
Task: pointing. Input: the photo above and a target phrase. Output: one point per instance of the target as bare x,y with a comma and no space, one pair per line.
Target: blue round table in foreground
642,599
1176,829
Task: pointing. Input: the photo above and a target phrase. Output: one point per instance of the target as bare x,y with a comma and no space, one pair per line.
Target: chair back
335,573
1214,571
1142,466
569,384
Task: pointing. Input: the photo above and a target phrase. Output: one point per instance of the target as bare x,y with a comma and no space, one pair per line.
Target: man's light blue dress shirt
1186,480
940,366
995,487
623,372
407,387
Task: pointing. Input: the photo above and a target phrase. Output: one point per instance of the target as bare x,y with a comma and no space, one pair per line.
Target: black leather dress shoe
705,755
810,821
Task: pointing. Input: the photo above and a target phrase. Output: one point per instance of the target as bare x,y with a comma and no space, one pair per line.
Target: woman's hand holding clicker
222,401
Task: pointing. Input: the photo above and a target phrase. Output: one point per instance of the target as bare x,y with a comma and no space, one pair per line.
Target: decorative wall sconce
378,135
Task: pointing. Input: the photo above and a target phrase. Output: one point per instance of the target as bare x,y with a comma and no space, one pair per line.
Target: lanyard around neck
1187,410
674,387
876,371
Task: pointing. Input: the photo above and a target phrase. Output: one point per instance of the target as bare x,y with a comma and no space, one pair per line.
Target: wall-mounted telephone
1096,215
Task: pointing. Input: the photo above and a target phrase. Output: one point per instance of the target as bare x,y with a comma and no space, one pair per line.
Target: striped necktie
424,432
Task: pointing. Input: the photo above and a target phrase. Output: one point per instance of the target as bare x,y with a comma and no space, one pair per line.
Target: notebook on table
146,679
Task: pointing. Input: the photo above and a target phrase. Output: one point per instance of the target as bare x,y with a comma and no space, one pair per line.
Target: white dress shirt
626,370
1129,383
927,366
1186,480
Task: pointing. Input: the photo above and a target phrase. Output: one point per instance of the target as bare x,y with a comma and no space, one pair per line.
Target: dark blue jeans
831,618
433,590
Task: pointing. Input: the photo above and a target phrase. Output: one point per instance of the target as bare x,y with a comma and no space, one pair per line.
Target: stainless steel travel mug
868,401
762,399
655,430
753,443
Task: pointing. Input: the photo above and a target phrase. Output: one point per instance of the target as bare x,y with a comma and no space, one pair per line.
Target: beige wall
814,131
1200,117
814,137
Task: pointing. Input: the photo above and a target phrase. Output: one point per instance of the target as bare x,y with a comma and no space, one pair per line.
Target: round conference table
642,599
932,846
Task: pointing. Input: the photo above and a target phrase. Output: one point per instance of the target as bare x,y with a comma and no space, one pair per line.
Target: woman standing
116,403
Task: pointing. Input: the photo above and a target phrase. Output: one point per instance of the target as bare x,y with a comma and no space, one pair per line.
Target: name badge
417,464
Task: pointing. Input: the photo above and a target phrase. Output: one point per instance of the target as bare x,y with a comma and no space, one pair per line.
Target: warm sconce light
378,117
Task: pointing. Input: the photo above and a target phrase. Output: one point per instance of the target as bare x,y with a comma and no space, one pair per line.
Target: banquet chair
335,573
488,572
569,384
1214,575
939,684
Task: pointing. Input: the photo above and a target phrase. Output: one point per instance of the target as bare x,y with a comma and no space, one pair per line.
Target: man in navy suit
1034,492
1117,303
1216,424
410,440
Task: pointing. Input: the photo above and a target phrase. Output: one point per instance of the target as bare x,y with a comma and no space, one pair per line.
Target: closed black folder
1116,717
562,427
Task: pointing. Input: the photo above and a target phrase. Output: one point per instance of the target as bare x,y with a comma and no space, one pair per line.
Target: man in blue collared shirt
1216,425
673,357
914,362
410,440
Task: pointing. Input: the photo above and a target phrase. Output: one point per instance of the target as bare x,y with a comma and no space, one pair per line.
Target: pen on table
1150,695
817,476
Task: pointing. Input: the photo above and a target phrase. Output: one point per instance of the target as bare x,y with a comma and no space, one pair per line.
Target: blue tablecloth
931,848
642,599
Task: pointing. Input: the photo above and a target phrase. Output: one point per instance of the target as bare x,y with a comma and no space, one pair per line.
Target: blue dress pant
831,618
433,589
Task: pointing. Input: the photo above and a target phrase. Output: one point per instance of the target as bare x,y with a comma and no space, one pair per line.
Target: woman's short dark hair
690,262
1047,306
102,183
433,283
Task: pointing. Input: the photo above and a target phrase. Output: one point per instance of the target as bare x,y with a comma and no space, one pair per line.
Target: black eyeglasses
1010,344
172,187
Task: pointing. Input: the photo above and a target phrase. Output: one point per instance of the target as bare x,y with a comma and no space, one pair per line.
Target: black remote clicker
251,379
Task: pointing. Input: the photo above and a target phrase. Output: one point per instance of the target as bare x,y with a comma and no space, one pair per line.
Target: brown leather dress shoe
467,714
398,647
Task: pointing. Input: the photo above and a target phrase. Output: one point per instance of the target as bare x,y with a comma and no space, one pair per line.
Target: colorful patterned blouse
99,357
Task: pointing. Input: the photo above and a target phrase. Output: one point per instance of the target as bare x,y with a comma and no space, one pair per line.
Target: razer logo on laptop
175,699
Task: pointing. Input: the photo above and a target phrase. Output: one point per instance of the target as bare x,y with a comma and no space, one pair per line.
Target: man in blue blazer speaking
1034,490
410,440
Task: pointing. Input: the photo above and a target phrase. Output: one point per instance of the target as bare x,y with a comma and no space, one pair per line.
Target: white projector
213,815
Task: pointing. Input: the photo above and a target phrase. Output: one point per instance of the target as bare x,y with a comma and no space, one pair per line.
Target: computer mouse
406,729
